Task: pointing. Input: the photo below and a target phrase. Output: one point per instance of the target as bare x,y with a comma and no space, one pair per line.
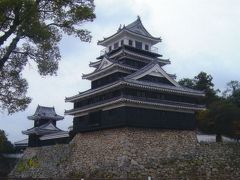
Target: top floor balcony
152,49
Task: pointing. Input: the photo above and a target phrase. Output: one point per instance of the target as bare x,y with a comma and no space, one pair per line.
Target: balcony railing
153,50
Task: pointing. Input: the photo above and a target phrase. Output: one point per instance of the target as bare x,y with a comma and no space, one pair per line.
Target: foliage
221,118
232,87
5,145
30,31
202,82
24,165
232,93
235,98
189,83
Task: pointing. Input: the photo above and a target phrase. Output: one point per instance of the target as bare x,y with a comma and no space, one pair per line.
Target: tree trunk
10,49
12,28
219,138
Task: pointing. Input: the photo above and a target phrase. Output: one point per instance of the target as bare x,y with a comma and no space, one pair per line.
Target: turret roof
136,28
47,128
43,112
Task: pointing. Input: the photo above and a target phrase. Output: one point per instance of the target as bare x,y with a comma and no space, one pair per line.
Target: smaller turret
45,119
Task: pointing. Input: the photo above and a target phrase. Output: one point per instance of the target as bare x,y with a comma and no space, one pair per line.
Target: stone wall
132,153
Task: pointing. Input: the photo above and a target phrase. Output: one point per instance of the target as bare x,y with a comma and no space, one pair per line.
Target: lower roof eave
94,64
41,132
128,102
130,84
108,70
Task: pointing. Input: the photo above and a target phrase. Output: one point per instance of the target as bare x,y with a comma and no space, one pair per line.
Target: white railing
106,50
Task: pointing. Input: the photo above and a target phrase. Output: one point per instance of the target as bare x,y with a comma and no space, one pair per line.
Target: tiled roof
45,113
138,100
136,28
138,84
164,86
110,68
47,128
23,142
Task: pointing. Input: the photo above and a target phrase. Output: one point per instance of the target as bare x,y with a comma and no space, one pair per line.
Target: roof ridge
134,27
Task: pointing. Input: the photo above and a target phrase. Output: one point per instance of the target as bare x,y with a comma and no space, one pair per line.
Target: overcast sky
199,35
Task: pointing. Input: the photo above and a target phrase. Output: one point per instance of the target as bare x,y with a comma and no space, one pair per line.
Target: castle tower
130,88
45,131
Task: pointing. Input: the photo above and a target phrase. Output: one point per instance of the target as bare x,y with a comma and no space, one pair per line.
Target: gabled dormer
153,72
104,63
134,35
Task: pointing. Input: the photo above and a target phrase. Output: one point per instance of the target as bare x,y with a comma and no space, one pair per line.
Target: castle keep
130,88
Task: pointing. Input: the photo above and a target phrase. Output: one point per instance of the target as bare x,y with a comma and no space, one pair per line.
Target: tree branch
12,28
11,47
54,24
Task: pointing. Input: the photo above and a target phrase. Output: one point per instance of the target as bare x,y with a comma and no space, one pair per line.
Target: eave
136,84
95,64
103,72
126,101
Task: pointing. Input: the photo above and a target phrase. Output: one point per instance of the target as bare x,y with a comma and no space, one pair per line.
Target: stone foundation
131,153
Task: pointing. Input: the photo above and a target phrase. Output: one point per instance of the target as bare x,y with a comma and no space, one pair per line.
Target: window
115,45
130,42
146,47
110,48
138,44
122,42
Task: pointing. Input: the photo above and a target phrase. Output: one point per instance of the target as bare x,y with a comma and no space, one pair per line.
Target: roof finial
120,27
138,17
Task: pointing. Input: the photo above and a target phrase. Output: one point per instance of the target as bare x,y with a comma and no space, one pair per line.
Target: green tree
5,145
202,82
30,30
232,86
221,118
232,92
186,82
235,98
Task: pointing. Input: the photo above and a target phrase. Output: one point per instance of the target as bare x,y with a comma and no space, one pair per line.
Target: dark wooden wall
107,79
134,117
